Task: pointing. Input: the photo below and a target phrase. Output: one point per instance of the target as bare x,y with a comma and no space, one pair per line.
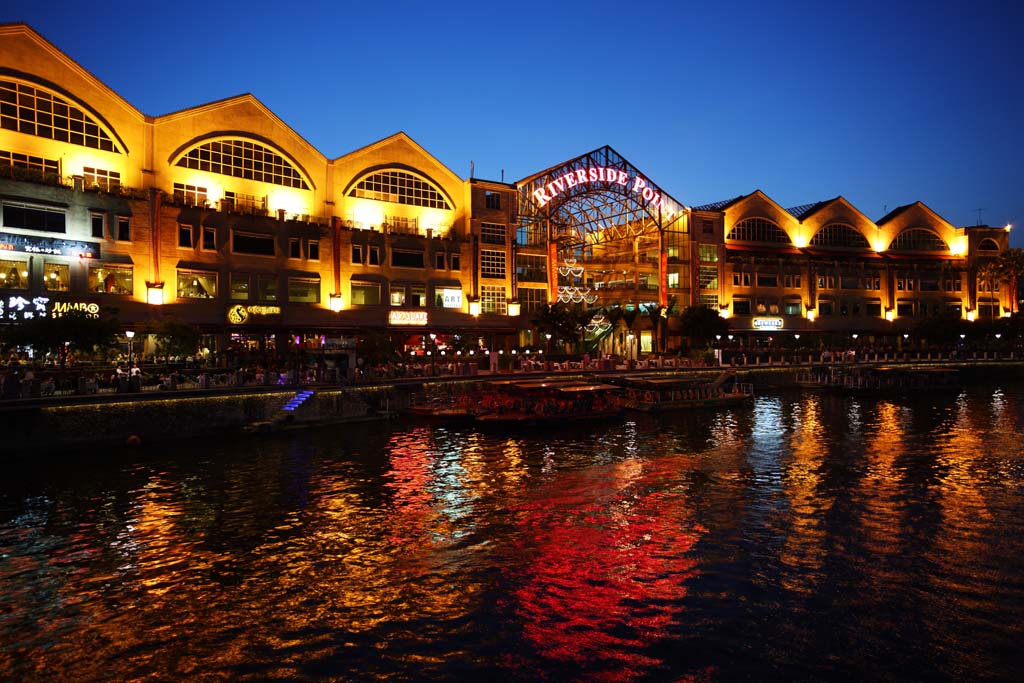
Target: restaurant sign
49,246
767,323
407,317
240,314
19,308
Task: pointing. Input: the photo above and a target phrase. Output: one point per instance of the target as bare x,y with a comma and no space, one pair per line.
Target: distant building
223,216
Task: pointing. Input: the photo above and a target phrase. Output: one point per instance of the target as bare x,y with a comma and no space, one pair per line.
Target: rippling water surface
805,538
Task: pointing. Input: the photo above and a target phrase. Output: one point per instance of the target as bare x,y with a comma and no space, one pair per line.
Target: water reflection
710,545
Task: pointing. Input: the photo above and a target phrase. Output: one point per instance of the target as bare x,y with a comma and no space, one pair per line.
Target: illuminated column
552,271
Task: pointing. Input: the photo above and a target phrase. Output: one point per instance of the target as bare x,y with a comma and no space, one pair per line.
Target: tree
562,321
700,324
75,331
174,337
1008,269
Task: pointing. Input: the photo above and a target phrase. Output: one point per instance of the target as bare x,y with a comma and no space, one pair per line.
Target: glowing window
492,299
492,233
109,279
492,263
400,187
759,230
919,239
243,159
839,235
32,111
36,165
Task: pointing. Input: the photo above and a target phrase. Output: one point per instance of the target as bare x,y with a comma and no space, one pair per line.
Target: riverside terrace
21,383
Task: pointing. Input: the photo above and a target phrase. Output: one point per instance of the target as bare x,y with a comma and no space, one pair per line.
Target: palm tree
1006,268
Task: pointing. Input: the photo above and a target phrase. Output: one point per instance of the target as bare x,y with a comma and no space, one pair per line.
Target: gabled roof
892,214
903,209
719,205
804,210
401,136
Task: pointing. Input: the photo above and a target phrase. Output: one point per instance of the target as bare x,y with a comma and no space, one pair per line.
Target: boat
882,379
662,394
544,402
448,407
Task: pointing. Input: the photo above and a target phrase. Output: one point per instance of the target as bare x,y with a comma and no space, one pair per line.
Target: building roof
719,205
804,210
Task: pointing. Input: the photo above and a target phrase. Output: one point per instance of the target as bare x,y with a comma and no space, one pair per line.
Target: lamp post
130,334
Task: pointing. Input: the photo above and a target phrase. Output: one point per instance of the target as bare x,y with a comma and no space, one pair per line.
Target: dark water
806,538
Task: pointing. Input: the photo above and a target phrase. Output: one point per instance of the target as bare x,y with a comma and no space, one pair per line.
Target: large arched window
400,187
759,230
243,159
839,235
27,109
988,244
918,239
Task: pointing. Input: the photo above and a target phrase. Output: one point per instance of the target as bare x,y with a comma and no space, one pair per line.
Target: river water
808,537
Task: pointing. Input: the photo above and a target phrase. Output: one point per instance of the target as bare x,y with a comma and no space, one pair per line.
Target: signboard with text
50,246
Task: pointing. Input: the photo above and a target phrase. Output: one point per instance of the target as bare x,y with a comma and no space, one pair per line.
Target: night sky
884,103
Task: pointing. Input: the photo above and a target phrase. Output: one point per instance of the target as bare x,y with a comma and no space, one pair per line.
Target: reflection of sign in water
407,317
239,314
767,323
48,245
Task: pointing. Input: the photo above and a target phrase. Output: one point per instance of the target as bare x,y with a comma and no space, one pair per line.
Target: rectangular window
185,236
257,245
209,238
365,294
100,179
454,260
98,222
532,299
767,280
375,258
417,295
109,279
741,279
304,290
492,200
13,274
873,309
673,280
448,297
313,250
708,253
825,308
402,225
708,276
492,233
439,260
44,169
709,301
791,307
34,218
124,229
492,263
708,227
266,287
406,259
239,202
192,195
197,284
492,299
397,295
56,276
294,248
905,309
531,268
239,286
357,253
741,307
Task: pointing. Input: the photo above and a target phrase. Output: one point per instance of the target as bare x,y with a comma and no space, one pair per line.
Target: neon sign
89,308
239,314
600,174
30,244
767,323
407,317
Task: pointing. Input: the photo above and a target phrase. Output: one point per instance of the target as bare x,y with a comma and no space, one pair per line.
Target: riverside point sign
637,185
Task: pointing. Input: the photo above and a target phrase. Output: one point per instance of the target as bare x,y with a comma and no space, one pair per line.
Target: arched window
243,159
918,239
400,187
839,235
988,244
759,230
27,109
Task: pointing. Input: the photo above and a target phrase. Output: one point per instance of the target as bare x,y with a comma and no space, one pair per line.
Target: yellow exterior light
971,316
336,302
513,308
155,293
474,308
889,315
811,315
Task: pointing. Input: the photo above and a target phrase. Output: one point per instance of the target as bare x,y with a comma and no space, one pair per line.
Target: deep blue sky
884,103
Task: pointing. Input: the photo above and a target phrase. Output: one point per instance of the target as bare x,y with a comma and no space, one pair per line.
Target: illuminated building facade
222,216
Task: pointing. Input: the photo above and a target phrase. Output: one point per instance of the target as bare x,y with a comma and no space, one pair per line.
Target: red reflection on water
607,560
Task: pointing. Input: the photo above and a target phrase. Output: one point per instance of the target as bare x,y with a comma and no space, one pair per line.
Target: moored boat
883,379
662,394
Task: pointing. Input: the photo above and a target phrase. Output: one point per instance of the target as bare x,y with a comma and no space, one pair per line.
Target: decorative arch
918,239
28,108
241,156
840,235
399,185
759,230
988,244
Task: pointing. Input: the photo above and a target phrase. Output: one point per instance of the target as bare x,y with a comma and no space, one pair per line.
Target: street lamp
131,335
629,348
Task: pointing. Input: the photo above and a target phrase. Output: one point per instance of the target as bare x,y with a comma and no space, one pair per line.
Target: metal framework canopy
595,198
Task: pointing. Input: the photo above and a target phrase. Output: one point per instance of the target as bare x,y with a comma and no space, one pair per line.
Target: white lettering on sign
600,174
767,323
91,310
451,298
407,317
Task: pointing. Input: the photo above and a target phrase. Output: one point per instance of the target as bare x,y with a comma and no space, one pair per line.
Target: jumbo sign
599,174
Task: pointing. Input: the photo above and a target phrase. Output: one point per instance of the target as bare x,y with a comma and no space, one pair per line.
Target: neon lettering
541,198
592,172
570,179
622,178
581,176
